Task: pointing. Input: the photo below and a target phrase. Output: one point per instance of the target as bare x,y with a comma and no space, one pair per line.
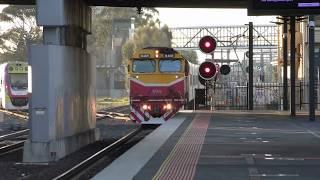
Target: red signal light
207,70
207,44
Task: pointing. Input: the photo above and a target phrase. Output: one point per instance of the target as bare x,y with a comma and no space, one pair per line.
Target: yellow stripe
157,78
171,155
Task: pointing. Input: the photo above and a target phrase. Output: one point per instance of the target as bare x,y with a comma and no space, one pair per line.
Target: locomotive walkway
224,146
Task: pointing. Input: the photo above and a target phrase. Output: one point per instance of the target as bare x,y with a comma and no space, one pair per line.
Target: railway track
87,163
13,141
20,114
119,146
9,143
118,113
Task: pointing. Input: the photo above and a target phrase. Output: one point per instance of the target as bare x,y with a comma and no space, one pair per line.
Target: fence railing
266,96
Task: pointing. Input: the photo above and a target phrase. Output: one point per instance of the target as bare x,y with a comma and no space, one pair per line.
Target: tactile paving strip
182,160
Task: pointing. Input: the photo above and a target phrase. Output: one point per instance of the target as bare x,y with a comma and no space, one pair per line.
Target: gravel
10,124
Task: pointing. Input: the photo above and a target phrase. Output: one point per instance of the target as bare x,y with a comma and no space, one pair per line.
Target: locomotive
161,82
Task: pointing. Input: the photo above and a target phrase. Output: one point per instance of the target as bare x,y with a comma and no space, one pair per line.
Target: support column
312,98
293,64
250,66
63,82
285,63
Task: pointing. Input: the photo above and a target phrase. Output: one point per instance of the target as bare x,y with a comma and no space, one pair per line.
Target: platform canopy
154,3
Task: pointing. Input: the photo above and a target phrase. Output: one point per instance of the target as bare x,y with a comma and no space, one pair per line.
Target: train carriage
14,85
161,82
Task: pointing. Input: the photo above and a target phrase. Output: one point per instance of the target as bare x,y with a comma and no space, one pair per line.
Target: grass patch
107,102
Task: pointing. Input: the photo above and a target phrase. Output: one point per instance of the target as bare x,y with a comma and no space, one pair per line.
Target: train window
19,81
171,65
144,66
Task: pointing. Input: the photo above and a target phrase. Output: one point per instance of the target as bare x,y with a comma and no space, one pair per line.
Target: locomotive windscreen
19,81
170,65
144,66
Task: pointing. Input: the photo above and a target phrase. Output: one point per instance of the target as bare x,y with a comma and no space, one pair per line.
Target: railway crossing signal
207,44
225,69
207,70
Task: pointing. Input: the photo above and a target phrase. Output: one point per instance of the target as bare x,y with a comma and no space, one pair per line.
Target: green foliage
152,36
107,102
102,25
147,36
191,56
128,50
22,32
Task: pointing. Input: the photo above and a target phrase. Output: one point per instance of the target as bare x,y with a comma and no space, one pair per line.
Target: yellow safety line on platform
191,141
170,157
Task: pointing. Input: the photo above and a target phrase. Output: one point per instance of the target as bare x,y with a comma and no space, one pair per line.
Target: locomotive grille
157,109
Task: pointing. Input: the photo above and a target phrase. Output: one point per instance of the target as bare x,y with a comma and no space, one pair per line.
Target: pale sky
181,17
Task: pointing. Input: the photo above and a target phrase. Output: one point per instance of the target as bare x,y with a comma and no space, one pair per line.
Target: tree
191,56
100,41
22,32
147,36
103,18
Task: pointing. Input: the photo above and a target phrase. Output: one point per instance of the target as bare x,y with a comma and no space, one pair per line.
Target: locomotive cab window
170,65
144,66
19,81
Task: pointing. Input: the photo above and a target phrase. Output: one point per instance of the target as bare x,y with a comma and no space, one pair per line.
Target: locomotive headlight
169,106
145,107
157,53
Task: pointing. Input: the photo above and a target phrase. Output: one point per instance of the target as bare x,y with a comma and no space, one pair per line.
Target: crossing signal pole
312,116
250,84
293,65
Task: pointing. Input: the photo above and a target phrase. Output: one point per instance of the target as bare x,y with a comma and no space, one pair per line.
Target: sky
184,17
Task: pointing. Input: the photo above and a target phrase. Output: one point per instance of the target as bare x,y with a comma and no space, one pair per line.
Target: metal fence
266,96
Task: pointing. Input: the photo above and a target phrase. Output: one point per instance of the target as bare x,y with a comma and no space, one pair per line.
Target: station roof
154,3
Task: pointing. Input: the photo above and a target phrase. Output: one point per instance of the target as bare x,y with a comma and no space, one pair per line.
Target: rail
91,160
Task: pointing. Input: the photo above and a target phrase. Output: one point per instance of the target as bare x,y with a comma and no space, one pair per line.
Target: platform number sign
284,7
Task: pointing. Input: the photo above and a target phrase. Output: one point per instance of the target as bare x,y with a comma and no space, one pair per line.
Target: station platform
206,145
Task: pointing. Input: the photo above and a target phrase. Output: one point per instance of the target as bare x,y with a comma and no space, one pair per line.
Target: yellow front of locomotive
157,84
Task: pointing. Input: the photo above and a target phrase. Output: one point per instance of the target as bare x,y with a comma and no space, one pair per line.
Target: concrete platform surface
229,147
130,163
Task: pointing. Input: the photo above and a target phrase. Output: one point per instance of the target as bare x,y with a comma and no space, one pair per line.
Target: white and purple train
14,85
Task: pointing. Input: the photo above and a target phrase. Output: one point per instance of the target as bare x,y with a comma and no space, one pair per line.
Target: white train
14,85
